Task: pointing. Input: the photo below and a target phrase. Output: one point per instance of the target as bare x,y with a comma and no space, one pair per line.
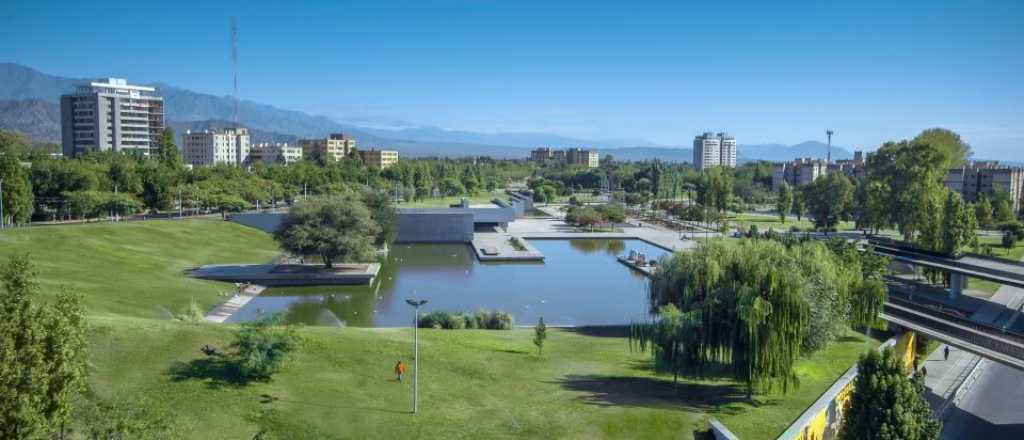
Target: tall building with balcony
333,148
713,150
986,178
380,159
216,146
109,114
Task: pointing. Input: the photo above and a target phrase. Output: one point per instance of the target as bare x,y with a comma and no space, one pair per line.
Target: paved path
555,227
224,311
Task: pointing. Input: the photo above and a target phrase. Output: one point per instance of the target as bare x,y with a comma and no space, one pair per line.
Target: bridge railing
981,335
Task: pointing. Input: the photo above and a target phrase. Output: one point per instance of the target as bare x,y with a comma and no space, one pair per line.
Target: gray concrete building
986,178
280,153
798,172
571,156
713,150
110,114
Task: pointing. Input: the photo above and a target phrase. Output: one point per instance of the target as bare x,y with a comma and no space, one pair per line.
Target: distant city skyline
665,72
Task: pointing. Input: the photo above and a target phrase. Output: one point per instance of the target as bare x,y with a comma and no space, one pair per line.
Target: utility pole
416,349
2,223
829,133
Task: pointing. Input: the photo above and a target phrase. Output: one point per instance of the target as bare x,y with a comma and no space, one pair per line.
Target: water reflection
590,246
579,283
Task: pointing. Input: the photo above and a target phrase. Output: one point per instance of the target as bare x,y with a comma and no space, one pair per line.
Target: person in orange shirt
399,370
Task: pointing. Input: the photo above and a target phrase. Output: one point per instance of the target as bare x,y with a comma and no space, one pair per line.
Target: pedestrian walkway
224,311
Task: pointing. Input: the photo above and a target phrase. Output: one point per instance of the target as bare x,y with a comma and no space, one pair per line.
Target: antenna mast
829,133
234,64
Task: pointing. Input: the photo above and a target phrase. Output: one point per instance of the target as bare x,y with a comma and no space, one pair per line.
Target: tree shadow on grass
601,331
268,399
651,392
216,371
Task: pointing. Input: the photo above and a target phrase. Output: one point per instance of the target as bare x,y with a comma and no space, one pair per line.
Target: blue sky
663,71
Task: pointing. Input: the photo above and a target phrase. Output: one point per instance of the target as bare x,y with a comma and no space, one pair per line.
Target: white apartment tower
110,114
217,146
711,150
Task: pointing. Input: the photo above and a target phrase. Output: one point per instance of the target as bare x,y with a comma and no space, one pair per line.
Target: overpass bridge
960,267
953,326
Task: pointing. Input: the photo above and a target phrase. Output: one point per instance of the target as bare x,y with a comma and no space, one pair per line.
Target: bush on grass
487,320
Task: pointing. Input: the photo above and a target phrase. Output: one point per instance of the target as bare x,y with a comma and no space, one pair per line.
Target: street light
1,203
416,347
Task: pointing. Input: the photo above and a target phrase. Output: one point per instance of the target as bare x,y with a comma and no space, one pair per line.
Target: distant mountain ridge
29,103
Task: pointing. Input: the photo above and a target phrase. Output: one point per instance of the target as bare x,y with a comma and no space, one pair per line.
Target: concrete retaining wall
823,419
267,222
443,226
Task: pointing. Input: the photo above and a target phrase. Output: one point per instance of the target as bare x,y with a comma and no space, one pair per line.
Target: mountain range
29,103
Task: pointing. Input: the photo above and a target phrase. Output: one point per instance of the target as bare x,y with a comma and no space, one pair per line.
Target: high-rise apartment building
334,147
216,146
110,114
379,158
712,150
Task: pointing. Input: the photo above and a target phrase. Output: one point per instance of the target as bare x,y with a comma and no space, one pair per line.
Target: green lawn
995,243
444,202
765,222
475,383
135,268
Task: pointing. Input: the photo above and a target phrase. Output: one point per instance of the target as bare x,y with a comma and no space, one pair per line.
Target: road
993,408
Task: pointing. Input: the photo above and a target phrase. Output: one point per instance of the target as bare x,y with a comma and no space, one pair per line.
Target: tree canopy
335,228
754,305
886,404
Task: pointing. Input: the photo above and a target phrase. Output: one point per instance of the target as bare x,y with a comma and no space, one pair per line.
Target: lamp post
416,348
2,224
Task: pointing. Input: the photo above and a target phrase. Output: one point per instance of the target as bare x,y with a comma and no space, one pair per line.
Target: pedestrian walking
399,370
945,353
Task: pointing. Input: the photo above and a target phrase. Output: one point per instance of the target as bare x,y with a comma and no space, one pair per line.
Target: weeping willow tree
753,306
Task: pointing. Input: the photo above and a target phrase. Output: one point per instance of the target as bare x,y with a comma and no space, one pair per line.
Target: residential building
987,177
110,114
334,147
275,153
541,155
855,168
572,156
216,146
711,150
798,172
379,158
581,157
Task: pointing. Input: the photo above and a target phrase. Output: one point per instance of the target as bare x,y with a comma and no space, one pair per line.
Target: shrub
483,319
261,348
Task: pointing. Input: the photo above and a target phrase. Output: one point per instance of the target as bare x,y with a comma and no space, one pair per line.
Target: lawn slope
135,268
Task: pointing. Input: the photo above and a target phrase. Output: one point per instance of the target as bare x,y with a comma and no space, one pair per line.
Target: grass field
474,384
135,268
765,222
444,202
